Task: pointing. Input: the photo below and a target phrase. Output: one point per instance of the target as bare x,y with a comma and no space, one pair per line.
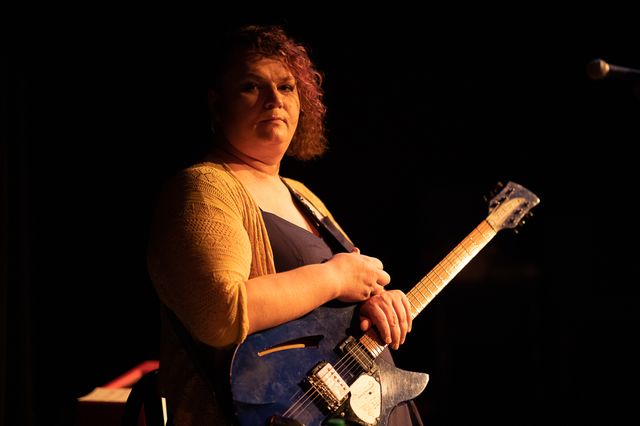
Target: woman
234,251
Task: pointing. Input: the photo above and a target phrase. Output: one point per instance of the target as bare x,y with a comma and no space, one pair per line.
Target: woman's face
258,107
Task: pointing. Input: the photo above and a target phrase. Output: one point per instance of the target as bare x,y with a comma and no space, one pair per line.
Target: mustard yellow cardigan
207,239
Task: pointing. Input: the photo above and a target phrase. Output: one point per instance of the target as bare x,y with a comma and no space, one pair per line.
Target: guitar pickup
329,385
354,349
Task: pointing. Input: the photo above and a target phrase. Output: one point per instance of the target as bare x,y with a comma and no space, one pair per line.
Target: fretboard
433,283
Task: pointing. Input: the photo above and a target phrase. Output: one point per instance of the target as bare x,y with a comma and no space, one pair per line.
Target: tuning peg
520,224
493,192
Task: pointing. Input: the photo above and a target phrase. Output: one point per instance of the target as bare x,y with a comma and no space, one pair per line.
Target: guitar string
308,398
312,394
305,400
340,369
355,354
303,403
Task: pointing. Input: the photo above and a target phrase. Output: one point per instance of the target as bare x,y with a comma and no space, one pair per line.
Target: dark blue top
293,247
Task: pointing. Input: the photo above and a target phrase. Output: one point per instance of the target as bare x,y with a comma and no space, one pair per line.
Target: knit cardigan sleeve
207,239
201,255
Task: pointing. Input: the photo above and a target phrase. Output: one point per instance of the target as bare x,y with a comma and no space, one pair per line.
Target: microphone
599,69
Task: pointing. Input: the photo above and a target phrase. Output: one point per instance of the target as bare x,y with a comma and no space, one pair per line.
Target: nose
273,98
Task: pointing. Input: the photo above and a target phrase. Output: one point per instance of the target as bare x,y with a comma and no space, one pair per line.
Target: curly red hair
309,140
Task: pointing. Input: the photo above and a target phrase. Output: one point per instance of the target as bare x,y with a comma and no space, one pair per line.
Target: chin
275,138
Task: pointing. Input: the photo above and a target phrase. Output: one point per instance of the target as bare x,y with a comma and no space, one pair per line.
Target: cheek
295,114
294,110
236,111
241,105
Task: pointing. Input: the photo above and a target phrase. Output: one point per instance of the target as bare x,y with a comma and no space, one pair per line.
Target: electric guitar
318,367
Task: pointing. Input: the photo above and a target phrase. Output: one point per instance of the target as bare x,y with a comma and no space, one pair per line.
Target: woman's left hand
390,313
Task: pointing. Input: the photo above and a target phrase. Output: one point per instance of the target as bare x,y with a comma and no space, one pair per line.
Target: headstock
510,205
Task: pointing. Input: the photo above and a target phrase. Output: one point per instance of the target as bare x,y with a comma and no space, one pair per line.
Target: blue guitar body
270,371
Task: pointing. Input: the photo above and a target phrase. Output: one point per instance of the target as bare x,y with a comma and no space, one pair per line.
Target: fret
434,282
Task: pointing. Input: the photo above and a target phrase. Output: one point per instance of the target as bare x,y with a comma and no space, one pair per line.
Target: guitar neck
433,283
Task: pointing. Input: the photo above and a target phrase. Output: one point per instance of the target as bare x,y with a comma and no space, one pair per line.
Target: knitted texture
207,239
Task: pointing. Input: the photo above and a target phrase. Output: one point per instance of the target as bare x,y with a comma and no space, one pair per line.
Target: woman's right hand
356,276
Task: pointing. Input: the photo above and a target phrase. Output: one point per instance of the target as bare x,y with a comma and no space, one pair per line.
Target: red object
128,378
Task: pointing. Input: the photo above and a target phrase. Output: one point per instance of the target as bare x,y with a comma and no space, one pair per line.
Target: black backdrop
425,115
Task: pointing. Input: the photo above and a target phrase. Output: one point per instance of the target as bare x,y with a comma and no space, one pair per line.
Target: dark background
426,113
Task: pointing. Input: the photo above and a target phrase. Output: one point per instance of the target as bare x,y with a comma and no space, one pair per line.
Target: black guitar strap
323,223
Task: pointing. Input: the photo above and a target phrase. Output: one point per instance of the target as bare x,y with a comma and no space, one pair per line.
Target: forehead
260,66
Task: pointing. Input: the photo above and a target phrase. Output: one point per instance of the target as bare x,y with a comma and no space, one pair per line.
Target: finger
398,306
355,250
377,262
379,318
383,278
396,331
392,322
377,289
407,307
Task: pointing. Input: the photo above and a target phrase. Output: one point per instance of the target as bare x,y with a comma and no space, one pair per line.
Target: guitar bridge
329,385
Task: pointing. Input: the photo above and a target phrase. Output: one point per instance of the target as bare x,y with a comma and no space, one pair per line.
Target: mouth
273,119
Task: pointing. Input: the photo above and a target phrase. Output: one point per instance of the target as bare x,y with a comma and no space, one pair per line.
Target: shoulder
206,172
204,183
205,175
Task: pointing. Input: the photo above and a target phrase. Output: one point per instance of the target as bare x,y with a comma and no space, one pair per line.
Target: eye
248,87
287,87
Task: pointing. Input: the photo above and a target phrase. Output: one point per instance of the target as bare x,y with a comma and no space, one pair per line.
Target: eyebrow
288,78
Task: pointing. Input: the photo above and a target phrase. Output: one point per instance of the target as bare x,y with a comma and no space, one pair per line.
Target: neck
248,166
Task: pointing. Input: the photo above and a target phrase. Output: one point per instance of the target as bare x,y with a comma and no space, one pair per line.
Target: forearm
277,298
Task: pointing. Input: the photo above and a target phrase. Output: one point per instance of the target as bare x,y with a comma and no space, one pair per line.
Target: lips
274,118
